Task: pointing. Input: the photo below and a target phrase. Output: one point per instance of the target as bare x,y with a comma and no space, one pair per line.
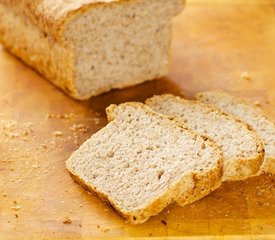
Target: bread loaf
142,161
253,115
87,47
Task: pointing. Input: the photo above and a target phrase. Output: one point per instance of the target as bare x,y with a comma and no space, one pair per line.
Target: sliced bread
242,149
142,161
87,47
251,114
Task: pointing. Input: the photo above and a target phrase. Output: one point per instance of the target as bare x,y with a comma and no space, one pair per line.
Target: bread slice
242,149
142,161
87,47
253,115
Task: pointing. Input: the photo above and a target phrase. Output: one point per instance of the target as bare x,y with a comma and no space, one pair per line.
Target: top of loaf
52,15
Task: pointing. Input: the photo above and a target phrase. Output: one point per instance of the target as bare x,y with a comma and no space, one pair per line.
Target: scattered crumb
35,166
257,103
80,205
79,127
67,220
16,215
245,75
58,133
163,222
60,116
96,121
80,225
98,226
12,135
4,194
105,229
44,146
15,208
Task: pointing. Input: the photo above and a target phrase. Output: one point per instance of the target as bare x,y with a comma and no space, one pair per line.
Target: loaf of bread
142,161
242,148
253,115
87,47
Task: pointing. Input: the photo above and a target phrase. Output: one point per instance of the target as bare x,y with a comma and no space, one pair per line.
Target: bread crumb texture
142,161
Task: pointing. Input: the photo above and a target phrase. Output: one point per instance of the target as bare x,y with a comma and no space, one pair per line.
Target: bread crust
268,164
243,168
204,182
51,16
183,187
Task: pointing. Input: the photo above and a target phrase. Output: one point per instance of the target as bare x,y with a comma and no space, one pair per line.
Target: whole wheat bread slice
251,114
242,149
142,161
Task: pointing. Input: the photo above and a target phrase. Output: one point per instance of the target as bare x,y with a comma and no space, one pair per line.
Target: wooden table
214,44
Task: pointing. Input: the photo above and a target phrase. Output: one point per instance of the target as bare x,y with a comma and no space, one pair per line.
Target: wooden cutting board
216,45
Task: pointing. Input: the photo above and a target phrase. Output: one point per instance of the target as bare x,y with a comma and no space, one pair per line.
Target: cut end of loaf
121,44
141,161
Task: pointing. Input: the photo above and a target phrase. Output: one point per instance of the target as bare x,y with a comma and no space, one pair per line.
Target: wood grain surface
215,43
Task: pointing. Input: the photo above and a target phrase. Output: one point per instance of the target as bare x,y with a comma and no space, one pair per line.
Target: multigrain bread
87,47
242,149
251,114
142,161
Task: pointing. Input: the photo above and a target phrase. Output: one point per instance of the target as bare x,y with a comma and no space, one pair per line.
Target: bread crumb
35,166
44,146
245,75
4,194
257,103
58,133
67,220
80,205
79,127
163,222
60,116
105,229
15,208
96,121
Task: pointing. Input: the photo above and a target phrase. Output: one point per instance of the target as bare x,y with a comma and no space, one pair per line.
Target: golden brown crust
205,182
51,16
